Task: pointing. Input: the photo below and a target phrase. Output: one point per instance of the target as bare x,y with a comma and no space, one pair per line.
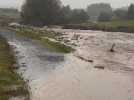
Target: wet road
54,76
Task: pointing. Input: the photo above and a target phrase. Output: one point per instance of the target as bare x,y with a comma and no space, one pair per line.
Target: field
112,26
118,23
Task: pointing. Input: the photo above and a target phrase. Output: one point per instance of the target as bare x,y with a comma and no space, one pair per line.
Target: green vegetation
47,38
41,12
50,12
115,26
11,85
104,17
130,13
94,10
117,23
111,26
74,15
119,20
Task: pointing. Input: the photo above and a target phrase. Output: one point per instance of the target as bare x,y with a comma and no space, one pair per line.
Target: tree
79,16
105,17
74,15
67,13
47,12
130,13
41,12
120,13
94,10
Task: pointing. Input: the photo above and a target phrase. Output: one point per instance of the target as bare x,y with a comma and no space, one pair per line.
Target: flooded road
90,73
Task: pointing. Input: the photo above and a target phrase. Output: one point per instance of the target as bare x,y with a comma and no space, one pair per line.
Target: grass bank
111,26
49,39
11,84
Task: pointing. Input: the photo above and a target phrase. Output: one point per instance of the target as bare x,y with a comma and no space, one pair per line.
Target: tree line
50,12
118,14
104,12
47,12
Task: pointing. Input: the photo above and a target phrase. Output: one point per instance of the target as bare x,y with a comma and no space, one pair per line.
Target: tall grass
11,83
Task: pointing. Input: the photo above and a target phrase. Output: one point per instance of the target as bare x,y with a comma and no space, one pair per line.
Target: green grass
117,23
56,46
44,38
8,78
4,97
113,26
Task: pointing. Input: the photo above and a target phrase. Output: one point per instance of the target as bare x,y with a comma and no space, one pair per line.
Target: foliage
74,15
94,10
130,13
41,12
67,13
79,16
104,17
120,13
48,12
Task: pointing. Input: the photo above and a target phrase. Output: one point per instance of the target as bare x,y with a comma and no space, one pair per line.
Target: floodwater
55,76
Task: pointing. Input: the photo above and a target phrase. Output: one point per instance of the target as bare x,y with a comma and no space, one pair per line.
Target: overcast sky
72,3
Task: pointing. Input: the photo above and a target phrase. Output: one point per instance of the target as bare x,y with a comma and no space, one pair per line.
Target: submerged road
55,76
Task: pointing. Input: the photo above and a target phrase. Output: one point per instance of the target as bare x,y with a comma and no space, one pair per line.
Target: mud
54,76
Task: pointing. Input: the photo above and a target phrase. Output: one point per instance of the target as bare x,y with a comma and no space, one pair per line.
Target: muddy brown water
55,76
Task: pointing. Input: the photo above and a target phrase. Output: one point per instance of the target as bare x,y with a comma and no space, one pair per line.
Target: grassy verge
116,26
46,38
111,26
11,85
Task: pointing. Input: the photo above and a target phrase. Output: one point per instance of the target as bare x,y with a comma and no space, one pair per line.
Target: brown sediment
75,77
